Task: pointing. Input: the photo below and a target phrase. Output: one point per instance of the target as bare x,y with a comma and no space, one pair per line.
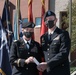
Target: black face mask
28,34
49,23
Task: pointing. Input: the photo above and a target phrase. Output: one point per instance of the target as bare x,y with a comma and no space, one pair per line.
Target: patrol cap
28,25
49,13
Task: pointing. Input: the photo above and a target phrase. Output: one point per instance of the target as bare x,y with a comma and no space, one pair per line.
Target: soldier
56,46
23,52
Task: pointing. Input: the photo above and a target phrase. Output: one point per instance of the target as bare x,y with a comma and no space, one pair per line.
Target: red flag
43,26
30,15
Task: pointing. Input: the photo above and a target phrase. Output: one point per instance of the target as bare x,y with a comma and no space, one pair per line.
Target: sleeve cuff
21,62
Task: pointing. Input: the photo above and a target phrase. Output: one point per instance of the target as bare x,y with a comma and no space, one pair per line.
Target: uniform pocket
55,43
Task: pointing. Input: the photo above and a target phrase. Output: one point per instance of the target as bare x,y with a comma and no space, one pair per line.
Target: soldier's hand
29,60
42,66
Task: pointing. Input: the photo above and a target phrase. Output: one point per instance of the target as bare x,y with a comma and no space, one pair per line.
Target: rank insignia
42,39
34,49
57,38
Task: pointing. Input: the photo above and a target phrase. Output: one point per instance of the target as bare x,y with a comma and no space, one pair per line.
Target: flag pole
6,13
18,17
70,24
70,18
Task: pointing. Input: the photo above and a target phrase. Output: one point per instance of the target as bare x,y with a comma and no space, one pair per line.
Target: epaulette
42,39
14,40
17,42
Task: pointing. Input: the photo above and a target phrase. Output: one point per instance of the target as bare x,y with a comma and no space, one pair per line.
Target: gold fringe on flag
1,71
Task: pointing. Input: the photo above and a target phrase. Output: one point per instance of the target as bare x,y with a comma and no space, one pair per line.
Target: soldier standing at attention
23,52
56,46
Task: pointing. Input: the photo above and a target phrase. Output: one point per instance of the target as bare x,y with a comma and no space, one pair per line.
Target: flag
43,26
5,68
6,23
43,29
16,36
16,20
20,23
20,26
30,14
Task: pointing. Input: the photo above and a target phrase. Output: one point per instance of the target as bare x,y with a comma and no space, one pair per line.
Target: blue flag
6,23
20,25
5,68
16,35
16,21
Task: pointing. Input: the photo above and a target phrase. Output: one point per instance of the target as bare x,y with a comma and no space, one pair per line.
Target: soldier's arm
14,60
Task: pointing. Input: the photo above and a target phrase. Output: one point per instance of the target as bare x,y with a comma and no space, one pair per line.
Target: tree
73,39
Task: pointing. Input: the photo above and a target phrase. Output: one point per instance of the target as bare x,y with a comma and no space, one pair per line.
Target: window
64,20
25,20
38,21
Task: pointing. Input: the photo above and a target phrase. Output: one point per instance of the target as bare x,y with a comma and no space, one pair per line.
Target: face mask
28,34
49,23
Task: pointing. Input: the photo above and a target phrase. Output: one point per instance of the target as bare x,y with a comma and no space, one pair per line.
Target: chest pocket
34,49
54,46
44,46
22,51
55,43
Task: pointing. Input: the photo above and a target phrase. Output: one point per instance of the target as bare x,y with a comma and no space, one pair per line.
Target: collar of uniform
51,32
27,41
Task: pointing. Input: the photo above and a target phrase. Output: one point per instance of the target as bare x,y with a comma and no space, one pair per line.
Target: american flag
5,68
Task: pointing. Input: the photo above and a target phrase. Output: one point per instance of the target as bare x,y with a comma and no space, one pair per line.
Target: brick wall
57,6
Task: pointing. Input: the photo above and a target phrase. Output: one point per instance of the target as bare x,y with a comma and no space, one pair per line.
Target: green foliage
73,39
72,69
74,13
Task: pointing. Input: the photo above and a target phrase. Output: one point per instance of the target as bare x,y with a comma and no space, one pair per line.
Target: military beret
28,25
49,13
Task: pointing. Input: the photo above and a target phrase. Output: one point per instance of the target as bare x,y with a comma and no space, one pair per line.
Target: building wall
1,7
36,8
57,6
